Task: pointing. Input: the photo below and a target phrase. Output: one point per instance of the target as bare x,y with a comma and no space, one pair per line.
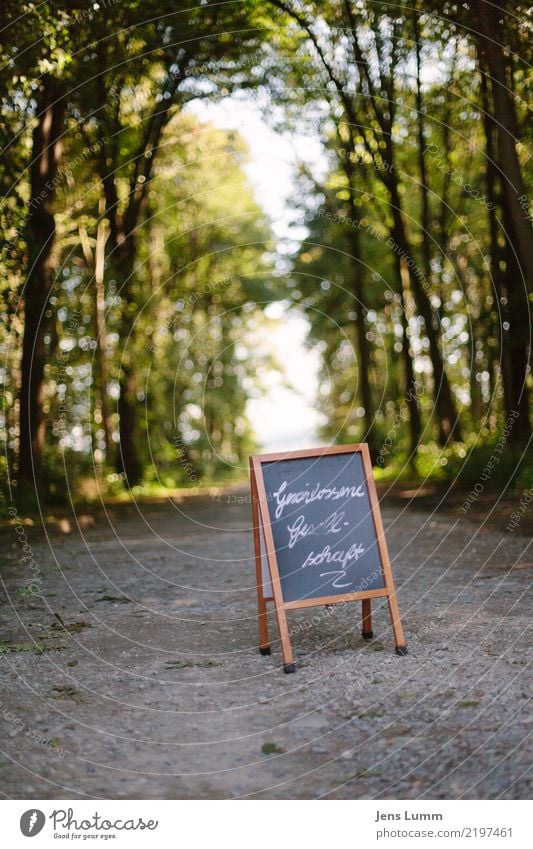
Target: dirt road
135,673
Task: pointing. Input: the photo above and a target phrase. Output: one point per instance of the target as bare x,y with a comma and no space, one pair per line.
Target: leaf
272,749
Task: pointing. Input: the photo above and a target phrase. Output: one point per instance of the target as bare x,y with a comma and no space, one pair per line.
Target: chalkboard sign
319,537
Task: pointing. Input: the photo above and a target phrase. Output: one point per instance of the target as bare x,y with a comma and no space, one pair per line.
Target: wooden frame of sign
269,583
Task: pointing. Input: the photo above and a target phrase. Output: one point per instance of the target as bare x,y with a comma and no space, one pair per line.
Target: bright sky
285,418
274,155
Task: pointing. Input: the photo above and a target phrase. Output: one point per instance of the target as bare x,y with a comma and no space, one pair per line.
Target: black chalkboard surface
322,525
319,538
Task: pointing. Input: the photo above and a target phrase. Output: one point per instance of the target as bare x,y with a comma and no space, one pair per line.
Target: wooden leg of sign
397,629
367,619
260,514
399,638
286,648
264,644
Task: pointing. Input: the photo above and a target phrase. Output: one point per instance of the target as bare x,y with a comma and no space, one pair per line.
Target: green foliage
271,749
202,278
188,256
493,465
369,120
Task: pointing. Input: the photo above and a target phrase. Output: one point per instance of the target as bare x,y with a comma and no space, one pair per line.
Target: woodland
138,267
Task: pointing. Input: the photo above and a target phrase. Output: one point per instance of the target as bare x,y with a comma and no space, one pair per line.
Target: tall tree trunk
362,343
519,247
424,181
411,395
519,274
102,235
447,415
443,212
364,356
96,262
449,428
128,458
448,423
490,46
497,251
517,339
123,227
475,388
123,255
46,152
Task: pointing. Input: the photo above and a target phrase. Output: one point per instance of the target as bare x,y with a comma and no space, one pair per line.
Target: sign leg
260,515
264,643
286,648
367,619
397,629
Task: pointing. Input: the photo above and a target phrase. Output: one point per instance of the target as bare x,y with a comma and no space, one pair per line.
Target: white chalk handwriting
318,493
300,529
341,558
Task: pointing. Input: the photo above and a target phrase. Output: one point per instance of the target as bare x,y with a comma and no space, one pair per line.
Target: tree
205,260
46,151
39,68
149,70
491,45
362,81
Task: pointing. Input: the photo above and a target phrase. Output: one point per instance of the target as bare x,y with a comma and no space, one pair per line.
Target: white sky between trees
285,417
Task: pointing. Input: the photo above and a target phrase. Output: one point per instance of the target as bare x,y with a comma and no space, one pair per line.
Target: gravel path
136,673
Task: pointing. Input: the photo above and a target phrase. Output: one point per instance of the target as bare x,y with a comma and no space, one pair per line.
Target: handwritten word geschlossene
319,493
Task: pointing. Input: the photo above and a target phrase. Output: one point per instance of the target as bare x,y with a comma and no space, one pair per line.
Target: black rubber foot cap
368,635
264,651
289,667
401,650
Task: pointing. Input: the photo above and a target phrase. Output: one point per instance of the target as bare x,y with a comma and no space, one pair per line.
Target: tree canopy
137,264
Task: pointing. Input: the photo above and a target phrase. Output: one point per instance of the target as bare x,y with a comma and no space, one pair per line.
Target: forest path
156,688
